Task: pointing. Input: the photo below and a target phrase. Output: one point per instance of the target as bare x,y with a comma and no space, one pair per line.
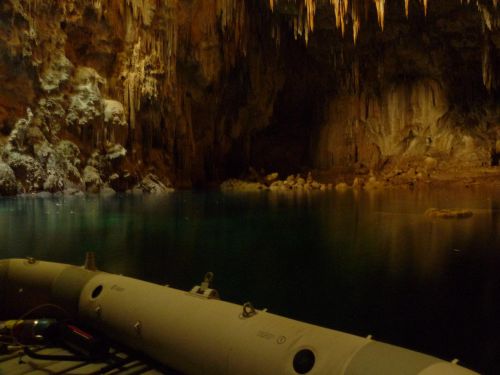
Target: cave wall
425,86
134,88
144,94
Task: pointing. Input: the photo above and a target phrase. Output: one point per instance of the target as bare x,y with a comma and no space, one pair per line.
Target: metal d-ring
248,310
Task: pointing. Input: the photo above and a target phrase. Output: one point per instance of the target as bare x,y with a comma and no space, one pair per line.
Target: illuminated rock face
407,122
191,92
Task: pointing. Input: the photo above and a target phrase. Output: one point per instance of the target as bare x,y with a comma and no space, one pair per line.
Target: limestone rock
51,114
115,122
373,184
61,164
271,177
293,183
92,179
448,213
54,182
72,192
34,135
196,107
58,72
107,191
278,185
86,105
342,186
8,185
115,151
430,164
240,185
153,185
122,181
27,169
357,183
18,136
69,151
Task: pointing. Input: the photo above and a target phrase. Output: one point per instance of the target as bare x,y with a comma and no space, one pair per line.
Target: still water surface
367,263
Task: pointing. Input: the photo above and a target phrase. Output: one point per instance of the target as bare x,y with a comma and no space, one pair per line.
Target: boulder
448,213
373,184
301,181
107,191
270,178
153,185
240,185
277,185
342,186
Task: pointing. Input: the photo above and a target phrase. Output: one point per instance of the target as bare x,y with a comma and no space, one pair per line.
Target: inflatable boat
194,332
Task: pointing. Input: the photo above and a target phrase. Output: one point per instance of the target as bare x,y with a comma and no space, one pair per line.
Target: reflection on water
366,263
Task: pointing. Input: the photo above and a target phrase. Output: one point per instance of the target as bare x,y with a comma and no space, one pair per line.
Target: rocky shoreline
57,170
273,183
34,162
428,175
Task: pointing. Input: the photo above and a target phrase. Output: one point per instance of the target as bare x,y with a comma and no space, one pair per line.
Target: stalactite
350,10
355,75
489,15
380,5
311,11
356,19
143,10
425,4
487,65
342,9
233,23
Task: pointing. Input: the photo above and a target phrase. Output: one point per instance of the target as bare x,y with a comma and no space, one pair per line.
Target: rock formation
136,95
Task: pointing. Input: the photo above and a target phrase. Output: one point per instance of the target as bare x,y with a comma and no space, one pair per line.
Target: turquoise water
365,263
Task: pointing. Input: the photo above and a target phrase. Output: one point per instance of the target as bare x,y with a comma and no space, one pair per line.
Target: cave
344,152
284,86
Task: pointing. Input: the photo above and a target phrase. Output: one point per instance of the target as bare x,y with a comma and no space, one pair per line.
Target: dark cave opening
495,159
285,146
